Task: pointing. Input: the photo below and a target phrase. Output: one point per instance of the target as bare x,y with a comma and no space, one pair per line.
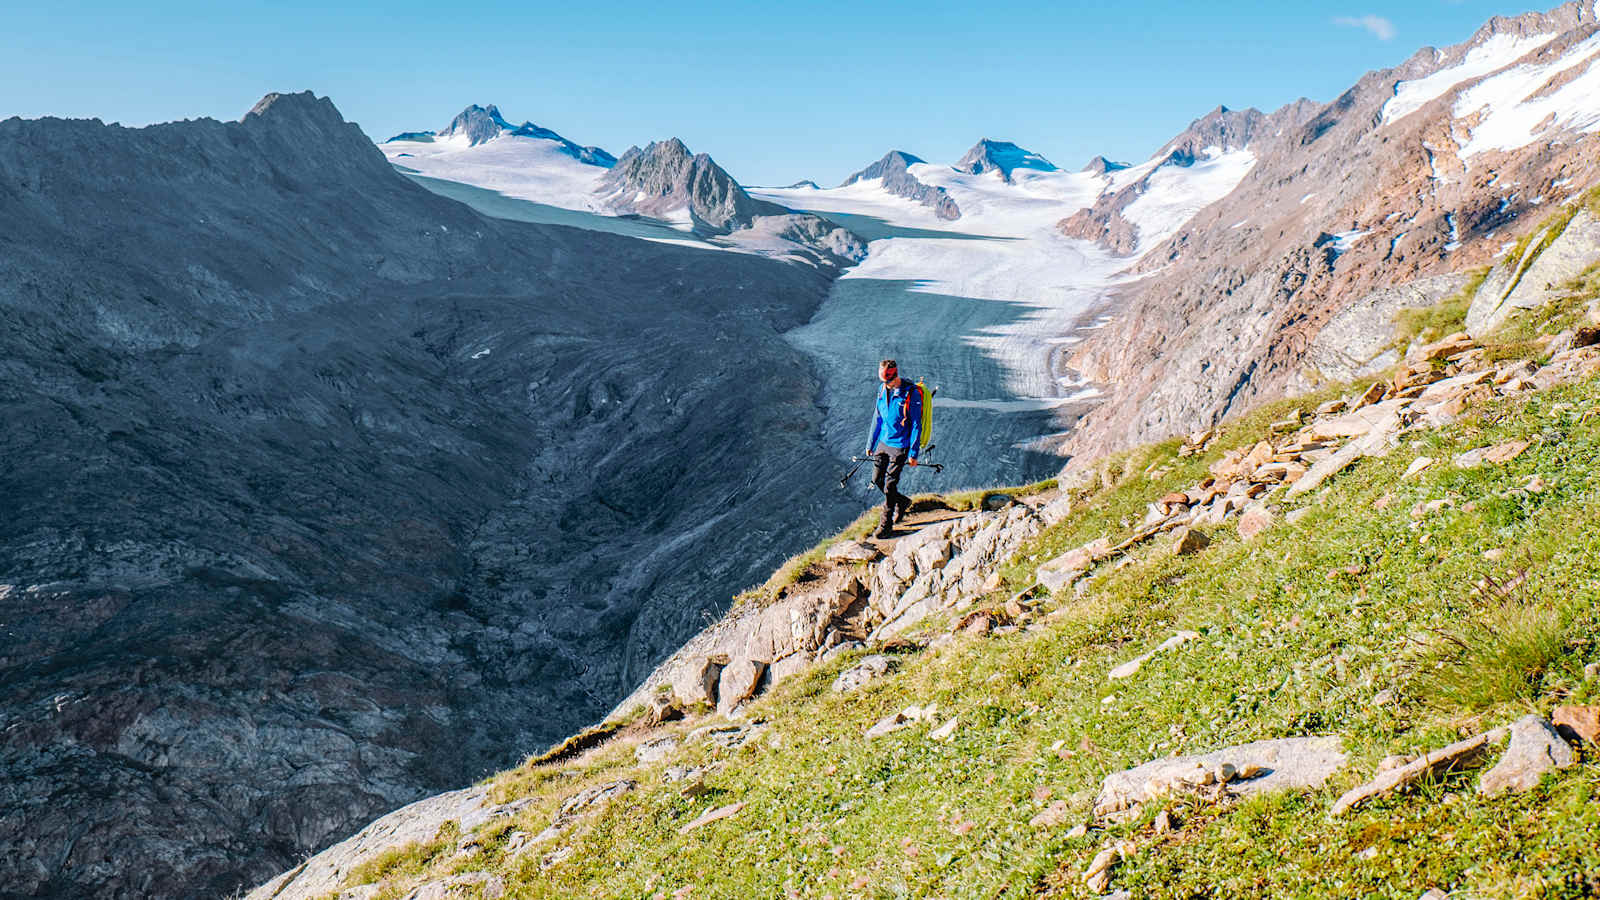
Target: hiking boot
901,509
885,530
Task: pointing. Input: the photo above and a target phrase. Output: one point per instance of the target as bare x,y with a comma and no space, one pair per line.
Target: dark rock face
891,172
323,493
480,124
665,177
1003,157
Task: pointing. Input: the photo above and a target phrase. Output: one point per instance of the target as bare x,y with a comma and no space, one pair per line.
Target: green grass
1302,629
1494,659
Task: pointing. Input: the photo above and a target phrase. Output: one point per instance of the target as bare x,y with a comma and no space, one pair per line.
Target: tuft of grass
1499,658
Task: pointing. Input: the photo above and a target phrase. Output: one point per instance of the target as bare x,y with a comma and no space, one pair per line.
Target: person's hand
912,460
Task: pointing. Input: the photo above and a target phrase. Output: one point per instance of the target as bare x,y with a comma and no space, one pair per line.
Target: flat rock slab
874,666
853,551
1298,763
1536,748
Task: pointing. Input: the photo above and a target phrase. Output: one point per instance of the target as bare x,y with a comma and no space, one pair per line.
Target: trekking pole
858,460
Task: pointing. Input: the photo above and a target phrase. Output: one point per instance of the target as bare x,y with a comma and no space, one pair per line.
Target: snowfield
1492,55
526,168
1514,113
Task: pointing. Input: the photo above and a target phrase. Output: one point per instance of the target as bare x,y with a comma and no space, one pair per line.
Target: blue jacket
897,422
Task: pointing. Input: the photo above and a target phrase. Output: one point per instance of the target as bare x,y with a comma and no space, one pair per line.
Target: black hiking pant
887,465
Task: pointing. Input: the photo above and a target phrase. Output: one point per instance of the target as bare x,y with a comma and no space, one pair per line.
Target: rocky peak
1100,166
1223,128
892,162
480,124
665,180
310,129
803,184
893,172
1003,157
477,124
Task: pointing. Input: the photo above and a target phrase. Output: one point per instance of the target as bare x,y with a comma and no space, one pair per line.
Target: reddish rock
1583,722
1254,520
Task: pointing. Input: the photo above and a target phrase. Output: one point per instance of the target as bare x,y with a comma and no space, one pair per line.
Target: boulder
790,665
740,681
1536,277
1357,342
1189,540
1536,748
1497,454
656,750
853,551
697,680
1254,520
869,668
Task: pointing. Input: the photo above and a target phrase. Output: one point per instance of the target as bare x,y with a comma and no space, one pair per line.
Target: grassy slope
1301,628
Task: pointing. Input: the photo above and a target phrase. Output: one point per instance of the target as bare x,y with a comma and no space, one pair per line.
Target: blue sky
775,91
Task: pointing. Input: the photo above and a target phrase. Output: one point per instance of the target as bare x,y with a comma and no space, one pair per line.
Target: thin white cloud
1381,28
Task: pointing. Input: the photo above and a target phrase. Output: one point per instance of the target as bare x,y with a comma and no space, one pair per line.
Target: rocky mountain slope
1428,169
324,493
891,174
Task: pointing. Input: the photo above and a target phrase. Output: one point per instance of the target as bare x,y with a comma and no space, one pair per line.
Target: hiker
894,441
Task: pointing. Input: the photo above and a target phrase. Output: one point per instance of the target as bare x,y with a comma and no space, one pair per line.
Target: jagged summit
893,161
478,124
664,179
481,124
892,171
804,184
1219,130
1100,166
1003,157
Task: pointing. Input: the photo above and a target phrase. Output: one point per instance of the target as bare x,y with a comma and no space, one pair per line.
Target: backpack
925,433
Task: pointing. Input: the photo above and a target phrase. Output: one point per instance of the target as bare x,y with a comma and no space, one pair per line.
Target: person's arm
877,426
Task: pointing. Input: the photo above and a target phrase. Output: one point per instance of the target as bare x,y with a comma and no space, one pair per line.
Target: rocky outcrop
892,172
1358,342
666,181
1003,157
1555,256
324,493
